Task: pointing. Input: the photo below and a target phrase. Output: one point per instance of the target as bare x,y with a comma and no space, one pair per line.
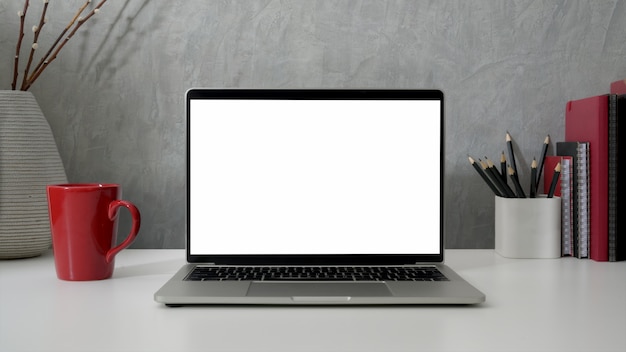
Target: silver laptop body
314,179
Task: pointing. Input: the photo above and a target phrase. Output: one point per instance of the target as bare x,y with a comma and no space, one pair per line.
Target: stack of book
592,185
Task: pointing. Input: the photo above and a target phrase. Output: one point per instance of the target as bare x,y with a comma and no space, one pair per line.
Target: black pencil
518,186
493,178
497,179
509,144
495,169
481,172
542,160
555,179
503,166
533,178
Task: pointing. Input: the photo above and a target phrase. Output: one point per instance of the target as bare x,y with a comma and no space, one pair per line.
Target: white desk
556,304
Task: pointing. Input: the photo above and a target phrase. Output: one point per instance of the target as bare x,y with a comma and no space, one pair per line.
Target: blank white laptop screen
314,176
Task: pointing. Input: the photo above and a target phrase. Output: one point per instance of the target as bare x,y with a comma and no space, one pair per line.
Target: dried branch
22,15
53,56
56,42
36,30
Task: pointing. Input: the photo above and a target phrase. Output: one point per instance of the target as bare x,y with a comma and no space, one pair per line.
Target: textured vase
29,160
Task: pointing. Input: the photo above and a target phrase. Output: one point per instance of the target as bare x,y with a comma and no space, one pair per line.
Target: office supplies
311,182
618,87
565,184
563,189
595,119
555,179
612,177
578,152
509,145
503,167
533,178
584,187
528,227
482,174
544,152
518,186
617,190
549,166
587,120
497,179
493,178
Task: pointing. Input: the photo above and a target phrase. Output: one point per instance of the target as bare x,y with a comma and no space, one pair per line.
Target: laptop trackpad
318,289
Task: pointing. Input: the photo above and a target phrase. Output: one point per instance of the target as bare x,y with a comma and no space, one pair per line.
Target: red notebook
587,120
618,87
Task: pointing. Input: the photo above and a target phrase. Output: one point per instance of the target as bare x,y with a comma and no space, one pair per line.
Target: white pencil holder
528,227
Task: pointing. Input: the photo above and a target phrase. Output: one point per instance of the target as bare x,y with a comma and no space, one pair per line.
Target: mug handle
134,212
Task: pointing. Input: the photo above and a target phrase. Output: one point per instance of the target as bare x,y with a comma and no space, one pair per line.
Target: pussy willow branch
53,56
56,42
59,43
22,15
35,45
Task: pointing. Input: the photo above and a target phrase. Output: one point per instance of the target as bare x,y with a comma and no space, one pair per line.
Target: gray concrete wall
114,96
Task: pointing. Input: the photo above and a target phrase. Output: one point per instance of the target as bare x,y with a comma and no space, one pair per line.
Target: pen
518,187
533,177
555,179
542,160
483,176
509,144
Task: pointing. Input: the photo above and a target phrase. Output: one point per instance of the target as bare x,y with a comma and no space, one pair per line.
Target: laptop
315,196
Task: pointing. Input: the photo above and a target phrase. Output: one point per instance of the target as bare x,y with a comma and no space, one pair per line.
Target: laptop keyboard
308,273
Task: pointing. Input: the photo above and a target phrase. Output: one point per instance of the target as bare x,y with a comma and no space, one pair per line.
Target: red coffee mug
83,222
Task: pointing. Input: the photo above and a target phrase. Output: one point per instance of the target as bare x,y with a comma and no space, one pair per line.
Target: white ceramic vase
29,160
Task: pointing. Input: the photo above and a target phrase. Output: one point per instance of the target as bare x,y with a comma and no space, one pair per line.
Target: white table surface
562,304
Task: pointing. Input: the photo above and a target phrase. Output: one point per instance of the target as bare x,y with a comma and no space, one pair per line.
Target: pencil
495,169
483,176
555,179
518,187
503,166
533,178
509,144
542,160
497,179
